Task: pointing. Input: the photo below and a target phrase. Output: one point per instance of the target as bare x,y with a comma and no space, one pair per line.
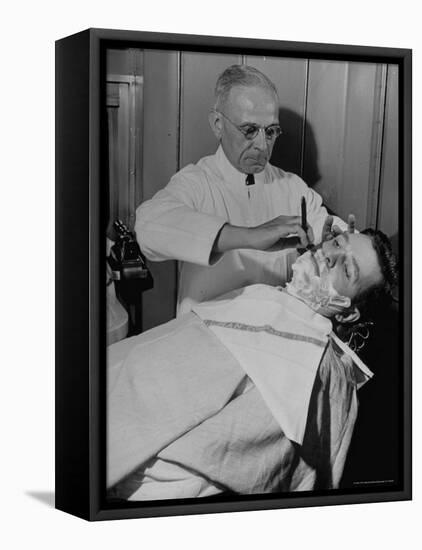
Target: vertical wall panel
343,119
112,105
138,131
123,152
161,111
160,145
289,77
124,104
199,75
358,193
388,213
325,128
119,115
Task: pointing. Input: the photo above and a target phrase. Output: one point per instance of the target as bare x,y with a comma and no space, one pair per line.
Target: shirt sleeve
170,226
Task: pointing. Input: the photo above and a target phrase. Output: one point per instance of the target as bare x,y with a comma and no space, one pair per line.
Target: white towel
279,342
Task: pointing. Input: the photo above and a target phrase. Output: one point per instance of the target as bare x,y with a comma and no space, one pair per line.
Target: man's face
352,263
247,105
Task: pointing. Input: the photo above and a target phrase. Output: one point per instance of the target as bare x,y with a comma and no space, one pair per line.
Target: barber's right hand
280,233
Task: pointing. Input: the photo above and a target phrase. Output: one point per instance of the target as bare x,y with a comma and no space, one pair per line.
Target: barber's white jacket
182,222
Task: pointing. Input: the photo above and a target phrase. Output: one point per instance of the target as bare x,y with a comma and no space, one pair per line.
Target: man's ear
216,123
351,315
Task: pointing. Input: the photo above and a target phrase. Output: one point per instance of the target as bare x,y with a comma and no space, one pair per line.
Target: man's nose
330,260
260,141
332,257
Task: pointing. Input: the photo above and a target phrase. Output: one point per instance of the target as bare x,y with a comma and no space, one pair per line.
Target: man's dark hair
375,302
388,265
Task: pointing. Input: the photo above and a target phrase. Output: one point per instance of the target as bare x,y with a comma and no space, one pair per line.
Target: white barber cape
216,399
182,222
279,342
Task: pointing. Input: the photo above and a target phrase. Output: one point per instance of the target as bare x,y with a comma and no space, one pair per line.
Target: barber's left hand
329,231
351,223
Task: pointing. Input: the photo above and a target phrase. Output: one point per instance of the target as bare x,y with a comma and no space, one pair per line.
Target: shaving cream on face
311,283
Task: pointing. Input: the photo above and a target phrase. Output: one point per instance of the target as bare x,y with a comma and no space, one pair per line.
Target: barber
233,219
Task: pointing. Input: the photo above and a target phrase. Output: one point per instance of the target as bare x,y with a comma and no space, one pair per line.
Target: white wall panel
388,213
199,75
359,190
160,146
325,128
289,76
343,116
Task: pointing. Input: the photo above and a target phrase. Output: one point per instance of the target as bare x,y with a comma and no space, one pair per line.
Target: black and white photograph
210,296
253,232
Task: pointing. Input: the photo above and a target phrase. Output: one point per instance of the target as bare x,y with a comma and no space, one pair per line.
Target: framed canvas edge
91,505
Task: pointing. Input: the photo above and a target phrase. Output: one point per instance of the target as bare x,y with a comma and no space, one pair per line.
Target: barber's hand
279,233
271,235
351,223
329,231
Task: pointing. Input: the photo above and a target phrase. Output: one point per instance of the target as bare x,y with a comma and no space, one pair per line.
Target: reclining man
251,393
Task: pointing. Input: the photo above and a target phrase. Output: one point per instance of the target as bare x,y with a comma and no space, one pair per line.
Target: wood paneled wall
340,133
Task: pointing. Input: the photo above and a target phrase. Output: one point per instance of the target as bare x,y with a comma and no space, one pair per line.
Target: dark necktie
250,180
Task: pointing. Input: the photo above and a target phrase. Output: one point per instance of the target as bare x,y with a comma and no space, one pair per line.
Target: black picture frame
80,277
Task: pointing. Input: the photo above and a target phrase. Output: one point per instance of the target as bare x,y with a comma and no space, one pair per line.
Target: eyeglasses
250,131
